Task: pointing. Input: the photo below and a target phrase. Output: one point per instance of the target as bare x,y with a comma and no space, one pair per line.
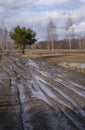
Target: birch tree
69,31
51,34
3,37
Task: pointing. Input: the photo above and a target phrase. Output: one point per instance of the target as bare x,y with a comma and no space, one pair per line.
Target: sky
37,14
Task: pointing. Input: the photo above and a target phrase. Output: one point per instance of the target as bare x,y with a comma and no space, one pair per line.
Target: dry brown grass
54,57
58,56
56,53
75,68
68,58
72,67
79,58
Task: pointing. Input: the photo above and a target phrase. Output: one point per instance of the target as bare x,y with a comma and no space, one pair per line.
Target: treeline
62,44
5,42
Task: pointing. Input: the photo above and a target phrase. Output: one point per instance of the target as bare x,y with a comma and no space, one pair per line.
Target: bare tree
79,41
0,38
4,36
83,41
51,34
69,31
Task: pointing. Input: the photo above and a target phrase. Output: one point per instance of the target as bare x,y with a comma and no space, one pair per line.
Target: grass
75,68
68,58
54,58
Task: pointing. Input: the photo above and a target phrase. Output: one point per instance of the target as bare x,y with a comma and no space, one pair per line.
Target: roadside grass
75,68
58,56
55,57
38,53
78,58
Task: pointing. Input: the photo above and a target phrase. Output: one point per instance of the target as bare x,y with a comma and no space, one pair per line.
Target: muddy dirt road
37,96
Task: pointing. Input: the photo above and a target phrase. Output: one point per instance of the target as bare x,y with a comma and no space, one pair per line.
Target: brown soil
37,96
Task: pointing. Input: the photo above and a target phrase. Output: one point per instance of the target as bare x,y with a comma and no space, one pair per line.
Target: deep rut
40,96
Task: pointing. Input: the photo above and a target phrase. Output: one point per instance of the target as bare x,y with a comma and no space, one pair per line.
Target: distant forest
62,44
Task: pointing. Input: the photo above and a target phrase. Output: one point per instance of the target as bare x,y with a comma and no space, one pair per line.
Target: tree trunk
79,44
52,45
70,46
48,47
23,49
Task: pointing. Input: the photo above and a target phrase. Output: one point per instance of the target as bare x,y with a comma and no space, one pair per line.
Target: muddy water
37,96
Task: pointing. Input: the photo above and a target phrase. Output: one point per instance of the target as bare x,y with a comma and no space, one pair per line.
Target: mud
37,96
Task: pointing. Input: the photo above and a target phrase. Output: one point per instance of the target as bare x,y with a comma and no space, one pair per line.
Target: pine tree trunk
23,49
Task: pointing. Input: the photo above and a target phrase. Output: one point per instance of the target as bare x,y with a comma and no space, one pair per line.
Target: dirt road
37,96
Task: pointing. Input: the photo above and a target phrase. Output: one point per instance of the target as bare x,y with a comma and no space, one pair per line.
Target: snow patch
39,79
74,64
69,86
46,74
25,115
32,63
50,94
36,91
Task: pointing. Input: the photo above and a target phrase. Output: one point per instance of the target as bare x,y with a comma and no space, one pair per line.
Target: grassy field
55,57
58,56
77,58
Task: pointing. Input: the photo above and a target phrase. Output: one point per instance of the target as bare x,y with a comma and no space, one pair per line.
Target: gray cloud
72,4
16,4
12,12
9,8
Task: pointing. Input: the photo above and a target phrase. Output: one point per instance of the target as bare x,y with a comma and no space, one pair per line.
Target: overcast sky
37,14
